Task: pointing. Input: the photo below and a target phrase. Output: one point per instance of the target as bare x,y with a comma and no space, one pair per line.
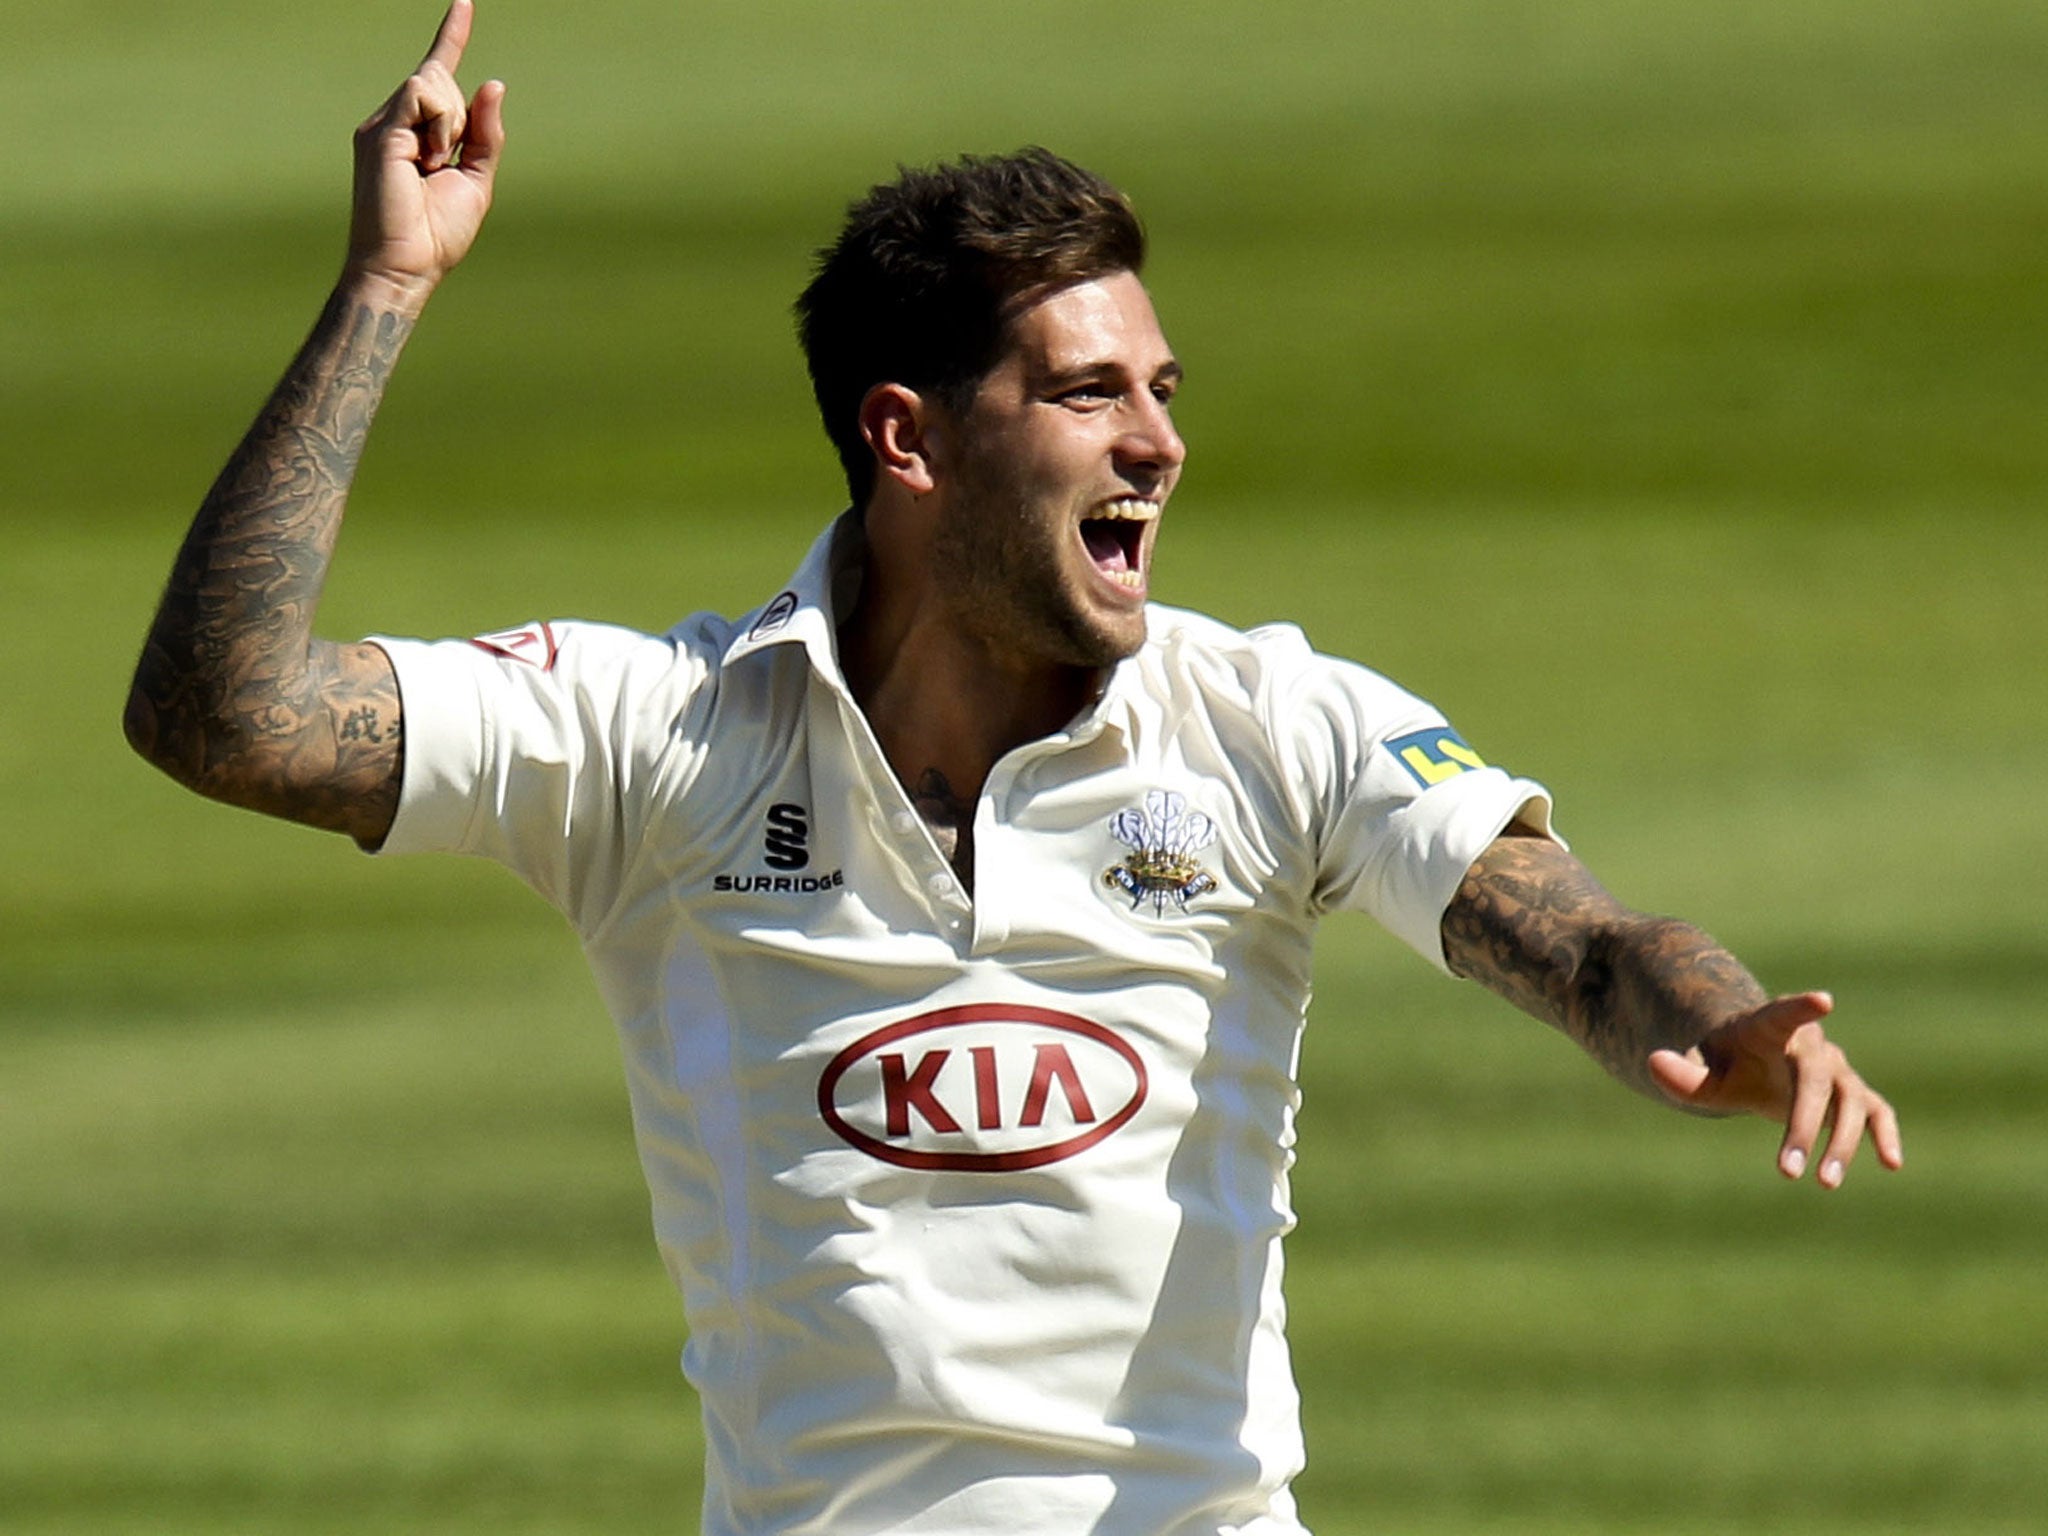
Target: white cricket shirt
975,1204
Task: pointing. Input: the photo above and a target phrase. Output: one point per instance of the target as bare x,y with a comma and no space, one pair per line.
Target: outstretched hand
425,163
1777,1061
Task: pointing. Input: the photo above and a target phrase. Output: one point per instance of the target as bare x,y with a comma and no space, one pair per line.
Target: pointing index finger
452,38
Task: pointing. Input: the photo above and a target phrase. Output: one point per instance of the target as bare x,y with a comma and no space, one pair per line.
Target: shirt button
938,885
903,821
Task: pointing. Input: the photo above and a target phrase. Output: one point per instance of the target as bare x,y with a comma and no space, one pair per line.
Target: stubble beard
1013,594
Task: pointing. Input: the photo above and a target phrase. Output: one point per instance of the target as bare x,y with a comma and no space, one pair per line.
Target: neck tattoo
950,819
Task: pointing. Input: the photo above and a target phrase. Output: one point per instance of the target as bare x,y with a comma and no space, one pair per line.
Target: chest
1089,849
1137,928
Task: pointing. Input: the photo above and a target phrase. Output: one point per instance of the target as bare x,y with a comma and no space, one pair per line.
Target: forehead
1104,320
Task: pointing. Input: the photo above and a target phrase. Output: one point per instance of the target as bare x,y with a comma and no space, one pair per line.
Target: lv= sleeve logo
1434,755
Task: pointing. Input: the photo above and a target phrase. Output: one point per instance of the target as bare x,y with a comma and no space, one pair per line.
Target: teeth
1128,551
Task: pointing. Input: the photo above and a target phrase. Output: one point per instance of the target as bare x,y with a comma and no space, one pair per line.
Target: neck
941,700
945,703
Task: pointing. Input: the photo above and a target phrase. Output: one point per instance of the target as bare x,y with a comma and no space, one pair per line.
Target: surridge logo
788,830
982,1088
785,846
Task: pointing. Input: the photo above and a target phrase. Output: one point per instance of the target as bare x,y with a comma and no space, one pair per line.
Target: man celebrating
955,906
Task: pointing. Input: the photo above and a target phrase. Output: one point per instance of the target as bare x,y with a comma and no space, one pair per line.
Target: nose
1150,440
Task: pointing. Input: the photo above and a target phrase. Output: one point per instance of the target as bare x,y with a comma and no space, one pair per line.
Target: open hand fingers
1852,1114
1828,1095
1813,1096
1777,1061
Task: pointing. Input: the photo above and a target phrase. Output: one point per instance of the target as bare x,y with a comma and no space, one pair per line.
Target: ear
897,425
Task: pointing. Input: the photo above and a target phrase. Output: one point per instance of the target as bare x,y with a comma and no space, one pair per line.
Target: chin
1104,645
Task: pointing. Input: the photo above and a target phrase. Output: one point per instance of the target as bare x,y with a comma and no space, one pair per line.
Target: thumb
484,138
1680,1074
1743,1064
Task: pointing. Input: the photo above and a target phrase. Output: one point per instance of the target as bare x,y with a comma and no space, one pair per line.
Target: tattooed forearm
1533,925
232,696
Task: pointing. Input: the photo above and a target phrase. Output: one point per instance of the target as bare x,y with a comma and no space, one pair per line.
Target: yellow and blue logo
1434,755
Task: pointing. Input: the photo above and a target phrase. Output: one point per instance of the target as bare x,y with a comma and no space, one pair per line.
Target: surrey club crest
1163,838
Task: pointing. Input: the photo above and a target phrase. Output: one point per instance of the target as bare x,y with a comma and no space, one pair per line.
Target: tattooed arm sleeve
1531,924
233,697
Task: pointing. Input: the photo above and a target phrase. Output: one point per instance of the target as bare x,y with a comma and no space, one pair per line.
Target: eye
1164,392
1093,393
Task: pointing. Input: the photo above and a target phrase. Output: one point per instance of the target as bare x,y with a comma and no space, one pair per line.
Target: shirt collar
805,612
1112,709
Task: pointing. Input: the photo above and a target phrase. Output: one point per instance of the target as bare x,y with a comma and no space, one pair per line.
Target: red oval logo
982,1088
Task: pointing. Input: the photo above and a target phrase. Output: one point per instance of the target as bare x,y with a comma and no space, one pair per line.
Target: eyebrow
1058,378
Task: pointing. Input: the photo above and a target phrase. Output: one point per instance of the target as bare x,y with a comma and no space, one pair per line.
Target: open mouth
1115,540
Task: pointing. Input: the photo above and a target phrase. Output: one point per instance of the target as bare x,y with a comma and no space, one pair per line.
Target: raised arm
1659,1004
233,696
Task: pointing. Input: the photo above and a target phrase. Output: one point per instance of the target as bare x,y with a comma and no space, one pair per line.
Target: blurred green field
1661,390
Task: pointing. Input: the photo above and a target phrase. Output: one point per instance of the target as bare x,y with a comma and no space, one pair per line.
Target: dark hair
929,268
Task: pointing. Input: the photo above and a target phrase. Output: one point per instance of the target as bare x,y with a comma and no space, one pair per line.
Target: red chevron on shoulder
533,644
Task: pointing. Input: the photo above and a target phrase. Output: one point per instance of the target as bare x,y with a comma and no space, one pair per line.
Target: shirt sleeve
1398,804
538,748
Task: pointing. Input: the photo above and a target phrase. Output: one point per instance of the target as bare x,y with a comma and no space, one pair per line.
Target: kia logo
982,1088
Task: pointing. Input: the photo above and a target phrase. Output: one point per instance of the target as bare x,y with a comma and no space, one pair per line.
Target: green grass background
1661,389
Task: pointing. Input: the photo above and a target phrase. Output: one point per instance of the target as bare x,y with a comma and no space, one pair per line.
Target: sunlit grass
1658,391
